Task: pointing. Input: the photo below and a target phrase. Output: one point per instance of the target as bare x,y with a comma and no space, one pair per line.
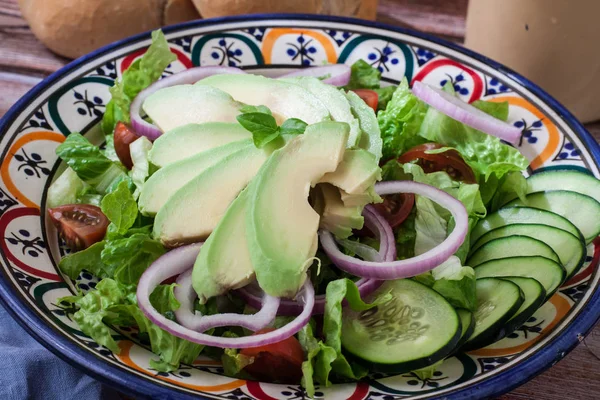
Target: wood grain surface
24,62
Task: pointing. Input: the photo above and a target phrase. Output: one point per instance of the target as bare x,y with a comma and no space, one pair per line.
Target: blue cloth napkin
29,371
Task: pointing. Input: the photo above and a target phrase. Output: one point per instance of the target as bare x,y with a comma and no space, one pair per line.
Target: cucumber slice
497,302
534,293
467,323
511,246
414,329
570,249
521,215
578,208
565,179
547,272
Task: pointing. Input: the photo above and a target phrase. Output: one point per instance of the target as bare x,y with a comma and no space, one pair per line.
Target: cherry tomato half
276,362
449,161
369,96
123,137
396,208
80,225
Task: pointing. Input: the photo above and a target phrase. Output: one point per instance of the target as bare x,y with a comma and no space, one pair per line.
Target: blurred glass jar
551,42
366,9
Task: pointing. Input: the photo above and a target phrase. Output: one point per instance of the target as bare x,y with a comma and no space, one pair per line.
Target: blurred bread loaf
74,28
365,9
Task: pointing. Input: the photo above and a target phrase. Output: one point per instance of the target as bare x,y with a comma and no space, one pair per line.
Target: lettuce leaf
509,187
484,153
88,259
129,257
140,74
336,292
115,303
140,171
120,208
88,162
400,122
456,283
384,96
319,357
363,76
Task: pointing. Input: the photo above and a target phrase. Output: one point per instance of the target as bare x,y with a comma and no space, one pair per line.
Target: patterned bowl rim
130,383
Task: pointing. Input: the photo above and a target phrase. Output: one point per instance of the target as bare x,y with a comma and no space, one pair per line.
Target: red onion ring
339,74
185,294
250,294
189,76
413,266
387,252
457,109
178,261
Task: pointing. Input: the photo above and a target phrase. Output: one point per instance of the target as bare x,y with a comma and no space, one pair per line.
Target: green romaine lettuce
115,303
120,208
128,258
319,357
400,122
88,259
140,74
456,283
363,76
88,162
484,153
140,171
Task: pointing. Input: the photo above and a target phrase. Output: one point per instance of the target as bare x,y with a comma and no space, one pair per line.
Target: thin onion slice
387,252
189,76
185,294
457,109
415,265
251,295
335,74
179,261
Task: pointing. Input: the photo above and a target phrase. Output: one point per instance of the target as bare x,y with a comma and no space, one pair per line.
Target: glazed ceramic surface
74,99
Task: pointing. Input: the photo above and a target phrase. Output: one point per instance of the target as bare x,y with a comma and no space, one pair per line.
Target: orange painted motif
553,135
562,307
126,345
274,34
4,171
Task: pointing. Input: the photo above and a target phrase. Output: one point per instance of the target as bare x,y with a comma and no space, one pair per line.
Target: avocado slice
185,104
188,140
361,199
282,226
335,101
336,217
371,136
286,100
168,180
193,211
358,171
224,261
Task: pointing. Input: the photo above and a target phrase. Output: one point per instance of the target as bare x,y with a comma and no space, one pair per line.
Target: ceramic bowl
74,98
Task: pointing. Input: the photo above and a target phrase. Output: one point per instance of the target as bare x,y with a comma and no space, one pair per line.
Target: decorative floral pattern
30,249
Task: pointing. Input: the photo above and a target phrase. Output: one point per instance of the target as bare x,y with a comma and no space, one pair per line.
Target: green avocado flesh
335,217
282,226
180,105
286,100
194,210
224,260
168,180
335,101
356,173
371,134
189,140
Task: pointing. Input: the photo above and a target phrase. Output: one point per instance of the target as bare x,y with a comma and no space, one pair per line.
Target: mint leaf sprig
259,121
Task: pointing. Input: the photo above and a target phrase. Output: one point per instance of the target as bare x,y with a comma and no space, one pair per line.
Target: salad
313,228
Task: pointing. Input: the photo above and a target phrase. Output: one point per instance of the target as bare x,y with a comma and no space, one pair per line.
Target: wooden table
24,62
